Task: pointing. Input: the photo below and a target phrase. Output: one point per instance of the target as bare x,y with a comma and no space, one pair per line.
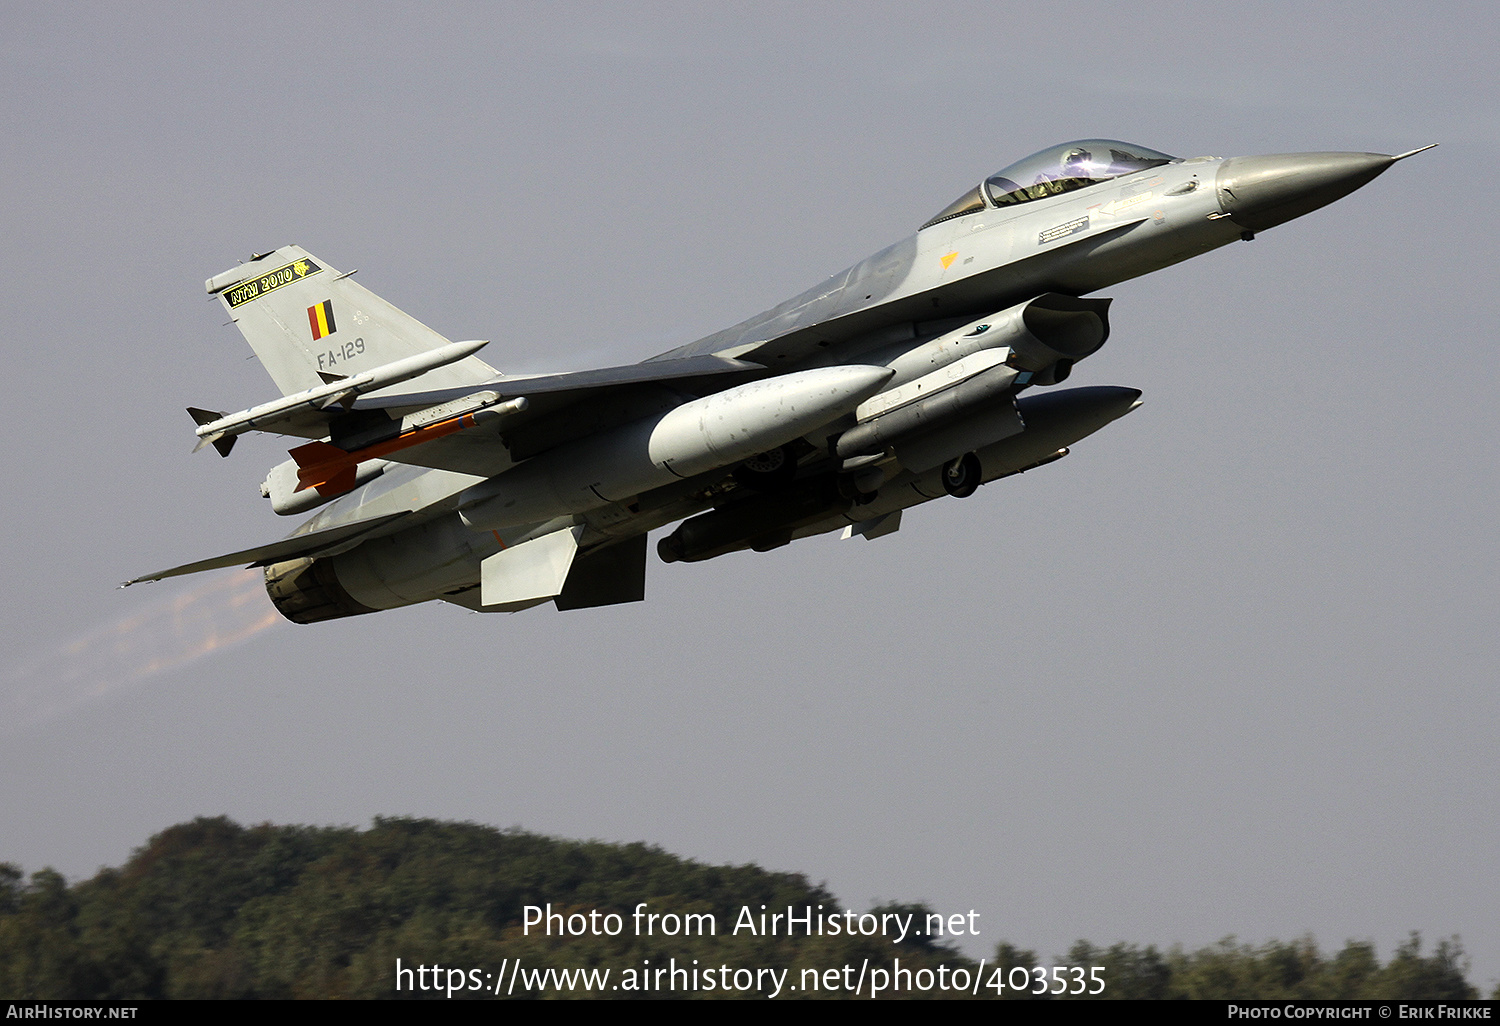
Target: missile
1054,420
331,469
288,496
974,367
963,399
220,432
320,471
702,435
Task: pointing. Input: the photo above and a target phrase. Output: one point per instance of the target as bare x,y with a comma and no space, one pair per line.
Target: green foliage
211,909
1275,971
1439,976
1132,973
39,948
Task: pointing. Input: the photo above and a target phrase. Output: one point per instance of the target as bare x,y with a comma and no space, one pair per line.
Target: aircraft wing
536,413
306,544
314,417
681,372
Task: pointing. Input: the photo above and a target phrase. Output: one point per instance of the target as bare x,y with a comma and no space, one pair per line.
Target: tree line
212,909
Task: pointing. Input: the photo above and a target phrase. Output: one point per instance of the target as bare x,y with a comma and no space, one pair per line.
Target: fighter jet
893,383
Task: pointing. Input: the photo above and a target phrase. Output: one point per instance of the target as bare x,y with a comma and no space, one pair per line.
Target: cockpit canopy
1055,170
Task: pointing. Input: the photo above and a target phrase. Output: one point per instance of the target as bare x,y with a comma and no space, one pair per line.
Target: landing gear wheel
962,477
768,471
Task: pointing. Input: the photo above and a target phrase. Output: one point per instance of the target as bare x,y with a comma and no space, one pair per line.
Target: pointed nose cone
1262,192
1067,415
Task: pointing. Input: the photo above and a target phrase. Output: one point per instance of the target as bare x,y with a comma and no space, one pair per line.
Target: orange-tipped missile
331,471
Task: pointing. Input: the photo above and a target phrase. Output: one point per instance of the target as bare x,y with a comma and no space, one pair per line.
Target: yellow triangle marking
949,258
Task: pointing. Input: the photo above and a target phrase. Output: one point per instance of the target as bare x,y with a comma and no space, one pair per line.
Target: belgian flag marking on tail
321,319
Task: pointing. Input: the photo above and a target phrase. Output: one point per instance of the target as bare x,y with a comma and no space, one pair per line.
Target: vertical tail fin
306,322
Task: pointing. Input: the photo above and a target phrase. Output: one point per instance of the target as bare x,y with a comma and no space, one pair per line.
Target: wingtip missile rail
323,396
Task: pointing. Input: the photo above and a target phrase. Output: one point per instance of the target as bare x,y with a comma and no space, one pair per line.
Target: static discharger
331,470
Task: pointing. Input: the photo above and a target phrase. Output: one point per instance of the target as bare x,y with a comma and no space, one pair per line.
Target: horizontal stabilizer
298,545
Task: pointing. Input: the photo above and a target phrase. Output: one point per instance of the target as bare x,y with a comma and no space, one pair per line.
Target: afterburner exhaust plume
173,631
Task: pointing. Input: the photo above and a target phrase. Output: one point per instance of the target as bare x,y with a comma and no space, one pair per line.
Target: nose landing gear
963,476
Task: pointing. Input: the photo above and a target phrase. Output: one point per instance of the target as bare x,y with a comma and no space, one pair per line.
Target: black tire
768,471
963,476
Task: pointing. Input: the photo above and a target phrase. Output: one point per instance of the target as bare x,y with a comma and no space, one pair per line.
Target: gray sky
1229,668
